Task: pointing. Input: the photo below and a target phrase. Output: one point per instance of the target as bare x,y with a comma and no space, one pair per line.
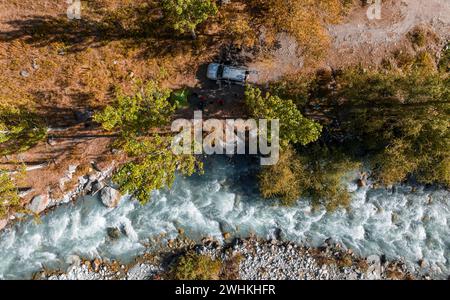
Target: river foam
403,223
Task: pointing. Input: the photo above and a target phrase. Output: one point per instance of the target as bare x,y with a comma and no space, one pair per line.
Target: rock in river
110,197
113,232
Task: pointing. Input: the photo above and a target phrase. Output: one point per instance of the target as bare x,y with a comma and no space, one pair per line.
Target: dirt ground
357,39
67,83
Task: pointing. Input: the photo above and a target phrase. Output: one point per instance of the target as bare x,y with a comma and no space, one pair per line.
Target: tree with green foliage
152,163
153,166
20,129
185,15
134,115
282,181
328,169
294,127
9,195
397,119
401,118
317,173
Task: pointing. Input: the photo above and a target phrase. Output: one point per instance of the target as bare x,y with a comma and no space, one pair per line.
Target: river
400,223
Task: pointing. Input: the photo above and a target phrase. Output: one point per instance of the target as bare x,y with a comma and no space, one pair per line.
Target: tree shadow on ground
56,116
145,31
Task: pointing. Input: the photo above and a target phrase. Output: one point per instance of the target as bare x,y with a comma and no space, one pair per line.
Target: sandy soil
361,39
358,39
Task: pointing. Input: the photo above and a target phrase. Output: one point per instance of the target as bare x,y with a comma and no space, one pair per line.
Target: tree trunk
193,34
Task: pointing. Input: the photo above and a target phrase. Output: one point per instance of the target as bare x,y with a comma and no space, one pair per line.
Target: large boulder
113,232
110,197
39,203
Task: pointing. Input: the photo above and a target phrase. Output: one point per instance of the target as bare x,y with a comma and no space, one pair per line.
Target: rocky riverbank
90,182
93,219
253,259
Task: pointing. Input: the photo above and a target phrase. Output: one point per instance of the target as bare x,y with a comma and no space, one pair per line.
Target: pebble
35,65
260,260
24,73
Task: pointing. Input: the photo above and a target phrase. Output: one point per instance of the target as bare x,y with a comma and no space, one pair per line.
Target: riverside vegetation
395,117
153,164
132,23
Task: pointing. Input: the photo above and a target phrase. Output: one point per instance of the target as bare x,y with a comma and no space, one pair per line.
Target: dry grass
74,66
77,63
230,269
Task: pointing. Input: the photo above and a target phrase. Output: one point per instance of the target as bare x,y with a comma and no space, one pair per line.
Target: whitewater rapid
406,223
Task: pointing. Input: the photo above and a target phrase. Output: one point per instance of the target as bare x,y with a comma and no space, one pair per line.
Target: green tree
185,15
401,119
317,173
328,170
294,127
282,181
153,167
136,119
9,195
134,115
20,129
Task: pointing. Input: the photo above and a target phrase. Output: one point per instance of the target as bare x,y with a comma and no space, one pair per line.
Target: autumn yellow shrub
304,20
193,266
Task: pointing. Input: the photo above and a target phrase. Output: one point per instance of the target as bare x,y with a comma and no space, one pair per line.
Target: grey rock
362,182
96,263
110,197
51,141
96,186
422,263
374,270
39,203
24,73
72,168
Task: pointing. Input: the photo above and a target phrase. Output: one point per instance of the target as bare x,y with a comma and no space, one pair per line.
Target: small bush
444,63
231,268
425,62
403,58
362,265
418,37
345,261
192,266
